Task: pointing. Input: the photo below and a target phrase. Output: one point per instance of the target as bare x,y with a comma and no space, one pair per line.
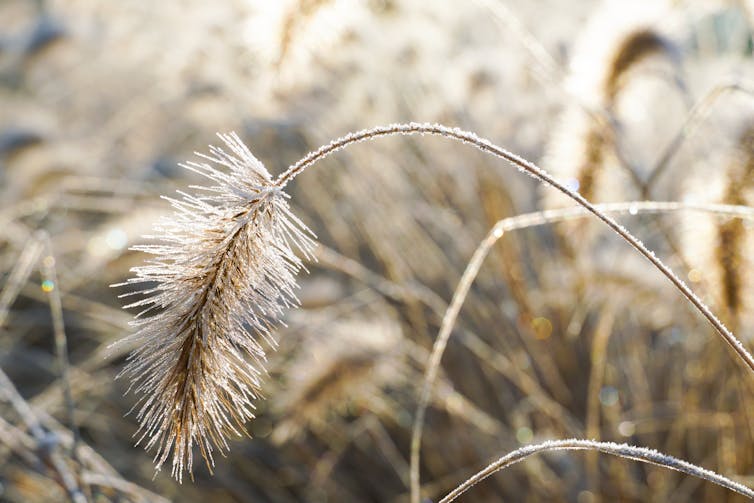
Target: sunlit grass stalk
452,312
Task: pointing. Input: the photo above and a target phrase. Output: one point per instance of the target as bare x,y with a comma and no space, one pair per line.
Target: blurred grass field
566,332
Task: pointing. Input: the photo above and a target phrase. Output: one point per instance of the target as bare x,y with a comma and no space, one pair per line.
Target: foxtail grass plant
222,274
585,146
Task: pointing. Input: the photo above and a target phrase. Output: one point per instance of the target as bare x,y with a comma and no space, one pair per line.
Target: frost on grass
642,454
223,270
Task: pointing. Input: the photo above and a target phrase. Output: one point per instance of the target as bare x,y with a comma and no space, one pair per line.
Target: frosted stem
538,173
642,454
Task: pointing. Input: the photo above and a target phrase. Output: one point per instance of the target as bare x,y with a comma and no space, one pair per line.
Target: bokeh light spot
116,239
542,328
608,396
524,435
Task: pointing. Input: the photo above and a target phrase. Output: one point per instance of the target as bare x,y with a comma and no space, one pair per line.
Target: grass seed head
223,269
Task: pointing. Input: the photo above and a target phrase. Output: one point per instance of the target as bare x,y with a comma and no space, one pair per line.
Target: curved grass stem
621,450
541,175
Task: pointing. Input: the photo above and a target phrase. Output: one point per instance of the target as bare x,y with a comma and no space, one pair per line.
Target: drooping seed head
223,270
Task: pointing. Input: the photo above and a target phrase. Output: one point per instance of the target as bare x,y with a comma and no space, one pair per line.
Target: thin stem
45,442
51,287
550,70
122,486
18,276
541,175
695,117
621,450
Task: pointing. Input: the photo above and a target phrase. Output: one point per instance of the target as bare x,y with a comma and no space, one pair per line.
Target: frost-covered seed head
223,270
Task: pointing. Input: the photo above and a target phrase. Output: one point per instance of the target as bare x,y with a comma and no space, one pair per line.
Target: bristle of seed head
222,271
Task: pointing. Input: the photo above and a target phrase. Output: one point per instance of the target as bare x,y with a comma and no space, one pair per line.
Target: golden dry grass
557,338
